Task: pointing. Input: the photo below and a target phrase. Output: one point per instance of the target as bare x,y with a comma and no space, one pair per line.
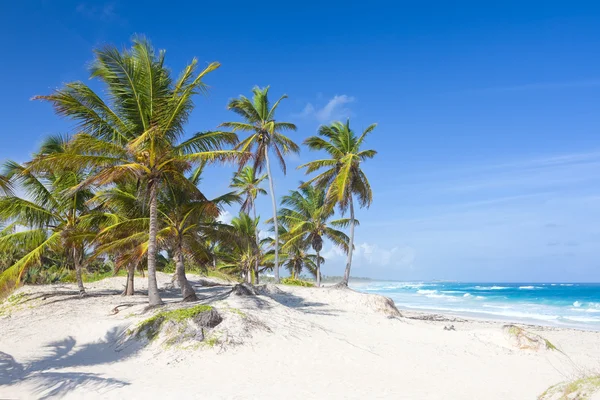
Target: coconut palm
186,221
242,249
51,219
308,221
124,234
342,177
296,259
135,134
5,185
248,186
266,136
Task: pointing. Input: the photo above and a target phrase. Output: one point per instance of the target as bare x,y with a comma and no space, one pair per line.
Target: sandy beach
287,342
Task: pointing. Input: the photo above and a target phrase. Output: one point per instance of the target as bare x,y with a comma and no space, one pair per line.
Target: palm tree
247,184
51,219
243,250
266,135
5,185
135,134
307,220
296,259
342,176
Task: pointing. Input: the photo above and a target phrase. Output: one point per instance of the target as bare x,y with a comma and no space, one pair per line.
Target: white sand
300,344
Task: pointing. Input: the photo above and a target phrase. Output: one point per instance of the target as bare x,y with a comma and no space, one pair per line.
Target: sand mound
525,340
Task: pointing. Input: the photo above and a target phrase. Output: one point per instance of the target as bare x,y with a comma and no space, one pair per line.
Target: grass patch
580,389
220,275
16,298
211,341
152,325
296,282
238,312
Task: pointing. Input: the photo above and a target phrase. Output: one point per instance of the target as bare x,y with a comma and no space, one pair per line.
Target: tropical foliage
341,174
125,191
266,135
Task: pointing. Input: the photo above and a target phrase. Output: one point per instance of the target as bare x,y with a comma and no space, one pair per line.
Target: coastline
286,342
563,305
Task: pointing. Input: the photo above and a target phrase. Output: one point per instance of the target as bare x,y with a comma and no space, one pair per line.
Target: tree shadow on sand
46,382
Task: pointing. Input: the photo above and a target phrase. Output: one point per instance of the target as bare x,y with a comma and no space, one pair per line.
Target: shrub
296,282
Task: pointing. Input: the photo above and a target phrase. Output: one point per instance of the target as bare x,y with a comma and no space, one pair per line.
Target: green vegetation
342,178
124,193
296,282
580,389
151,326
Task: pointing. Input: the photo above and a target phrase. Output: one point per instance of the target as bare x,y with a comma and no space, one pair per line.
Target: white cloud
335,109
225,217
366,254
262,234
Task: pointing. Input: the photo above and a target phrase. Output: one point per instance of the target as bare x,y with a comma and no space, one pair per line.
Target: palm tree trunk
318,269
129,290
275,225
351,244
187,291
78,272
153,295
257,247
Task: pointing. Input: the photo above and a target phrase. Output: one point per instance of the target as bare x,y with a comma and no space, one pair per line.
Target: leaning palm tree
308,220
248,186
50,218
135,133
342,177
266,135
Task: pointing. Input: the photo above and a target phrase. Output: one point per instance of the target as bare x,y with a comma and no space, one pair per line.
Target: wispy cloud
335,109
104,12
372,255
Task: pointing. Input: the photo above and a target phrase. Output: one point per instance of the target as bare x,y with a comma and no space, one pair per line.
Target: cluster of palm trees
126,187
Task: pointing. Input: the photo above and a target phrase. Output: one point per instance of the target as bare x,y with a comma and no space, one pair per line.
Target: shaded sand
287,343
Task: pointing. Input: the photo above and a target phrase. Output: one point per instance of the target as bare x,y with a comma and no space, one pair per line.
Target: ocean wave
579,319
490,287
566,284
442,296
576,304
426,291
530,287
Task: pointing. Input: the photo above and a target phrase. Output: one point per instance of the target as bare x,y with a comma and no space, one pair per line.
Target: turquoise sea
559,304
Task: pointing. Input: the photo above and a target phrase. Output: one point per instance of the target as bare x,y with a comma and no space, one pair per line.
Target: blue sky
489,153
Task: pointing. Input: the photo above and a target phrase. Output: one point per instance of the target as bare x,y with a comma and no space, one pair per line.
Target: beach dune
287,342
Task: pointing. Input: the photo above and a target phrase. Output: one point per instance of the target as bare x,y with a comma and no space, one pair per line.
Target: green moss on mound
152,325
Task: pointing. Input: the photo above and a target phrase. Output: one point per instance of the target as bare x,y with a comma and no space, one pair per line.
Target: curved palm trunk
274,203
187,291
318,269
351,248
78,272
153,295
257,263
129,290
